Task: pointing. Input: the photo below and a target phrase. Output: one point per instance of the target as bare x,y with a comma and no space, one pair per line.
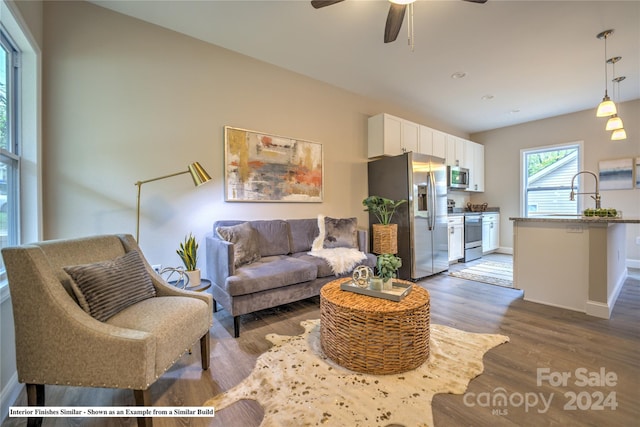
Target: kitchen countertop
576,218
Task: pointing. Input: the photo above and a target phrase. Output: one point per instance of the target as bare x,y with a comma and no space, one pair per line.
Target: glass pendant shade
614,123
618,134
606,108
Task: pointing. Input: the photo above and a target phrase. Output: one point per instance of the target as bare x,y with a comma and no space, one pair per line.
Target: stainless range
472,236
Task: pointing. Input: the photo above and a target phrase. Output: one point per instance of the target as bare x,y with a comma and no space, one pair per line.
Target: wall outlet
157,267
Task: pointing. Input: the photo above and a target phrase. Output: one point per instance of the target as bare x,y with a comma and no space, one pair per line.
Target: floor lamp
199,175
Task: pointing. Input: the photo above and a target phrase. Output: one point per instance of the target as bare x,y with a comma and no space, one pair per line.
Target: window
9,143
546,176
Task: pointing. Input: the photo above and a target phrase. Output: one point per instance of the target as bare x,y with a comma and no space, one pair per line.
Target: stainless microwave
457,177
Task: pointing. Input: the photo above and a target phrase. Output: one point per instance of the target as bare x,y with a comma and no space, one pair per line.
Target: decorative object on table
361,276
387,266
198,174
616,174
188,253
477,207
396,292
260,167
457,360
175,276
385,234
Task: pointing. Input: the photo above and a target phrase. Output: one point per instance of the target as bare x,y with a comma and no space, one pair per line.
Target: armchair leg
215,306
205,351
35,397
236,326
143,398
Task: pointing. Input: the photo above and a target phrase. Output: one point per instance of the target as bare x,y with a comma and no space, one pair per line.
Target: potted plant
387,266
385,234
188,253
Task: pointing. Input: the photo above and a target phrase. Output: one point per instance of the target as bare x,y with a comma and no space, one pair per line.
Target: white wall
128,101
502,163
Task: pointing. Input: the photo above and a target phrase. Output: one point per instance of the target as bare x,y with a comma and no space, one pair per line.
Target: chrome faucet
596,195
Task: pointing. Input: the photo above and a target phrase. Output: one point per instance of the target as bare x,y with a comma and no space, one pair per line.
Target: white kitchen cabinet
456,237
391,136
475,156
425,144
490,232
457,152
439,144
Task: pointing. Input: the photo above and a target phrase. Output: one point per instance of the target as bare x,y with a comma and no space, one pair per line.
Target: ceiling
534,59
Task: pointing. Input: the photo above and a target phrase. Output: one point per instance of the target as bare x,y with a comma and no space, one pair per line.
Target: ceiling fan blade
317,4
477,1
394,21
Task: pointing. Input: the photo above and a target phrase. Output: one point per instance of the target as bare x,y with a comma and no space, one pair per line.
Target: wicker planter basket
385,239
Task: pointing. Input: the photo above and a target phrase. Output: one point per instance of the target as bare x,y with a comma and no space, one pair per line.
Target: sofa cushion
340,233
324,269
244,237
269,273
105,288
273,236
302,234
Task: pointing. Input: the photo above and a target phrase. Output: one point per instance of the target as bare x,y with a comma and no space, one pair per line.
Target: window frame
524,200
10,155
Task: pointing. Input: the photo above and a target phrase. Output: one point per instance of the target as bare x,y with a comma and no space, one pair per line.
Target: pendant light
615,122
607,107
618,134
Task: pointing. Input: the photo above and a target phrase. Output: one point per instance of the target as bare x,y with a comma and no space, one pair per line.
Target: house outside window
546,177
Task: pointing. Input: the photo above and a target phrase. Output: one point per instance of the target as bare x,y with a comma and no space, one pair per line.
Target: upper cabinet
476,170
391,136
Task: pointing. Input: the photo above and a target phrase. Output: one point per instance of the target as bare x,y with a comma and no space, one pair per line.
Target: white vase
387,285
194,277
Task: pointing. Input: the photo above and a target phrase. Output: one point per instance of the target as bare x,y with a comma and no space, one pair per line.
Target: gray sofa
282,273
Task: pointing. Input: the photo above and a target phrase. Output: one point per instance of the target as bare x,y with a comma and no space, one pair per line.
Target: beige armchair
59,342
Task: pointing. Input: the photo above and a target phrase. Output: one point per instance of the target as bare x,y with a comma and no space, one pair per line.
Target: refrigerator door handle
432,204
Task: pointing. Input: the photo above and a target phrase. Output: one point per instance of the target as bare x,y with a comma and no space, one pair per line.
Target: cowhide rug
297,385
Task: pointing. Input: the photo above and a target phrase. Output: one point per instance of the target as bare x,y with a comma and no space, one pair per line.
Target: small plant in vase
387,266
385,234
188,253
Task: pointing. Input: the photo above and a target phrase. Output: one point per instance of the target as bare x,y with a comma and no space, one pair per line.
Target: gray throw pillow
340,233
246,246
105,288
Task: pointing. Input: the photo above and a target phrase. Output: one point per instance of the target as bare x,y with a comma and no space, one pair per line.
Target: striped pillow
105,288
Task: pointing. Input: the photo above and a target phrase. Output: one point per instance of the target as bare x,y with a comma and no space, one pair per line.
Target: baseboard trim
633,263
505,250
9,394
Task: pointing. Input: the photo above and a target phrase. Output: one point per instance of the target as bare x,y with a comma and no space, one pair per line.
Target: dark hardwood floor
548,339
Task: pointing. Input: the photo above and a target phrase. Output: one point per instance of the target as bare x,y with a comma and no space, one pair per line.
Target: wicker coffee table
374,335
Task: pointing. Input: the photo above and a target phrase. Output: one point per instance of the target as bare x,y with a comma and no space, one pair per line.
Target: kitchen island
570,261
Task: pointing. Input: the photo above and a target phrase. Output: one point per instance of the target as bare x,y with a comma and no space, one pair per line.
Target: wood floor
545,338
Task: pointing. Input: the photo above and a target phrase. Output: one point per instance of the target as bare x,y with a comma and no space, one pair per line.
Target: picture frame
637,172
262,167
616,174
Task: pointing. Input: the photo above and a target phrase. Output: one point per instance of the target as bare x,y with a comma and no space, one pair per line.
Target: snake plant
188,252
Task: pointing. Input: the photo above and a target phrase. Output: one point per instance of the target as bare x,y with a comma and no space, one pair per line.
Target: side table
374,335
203,286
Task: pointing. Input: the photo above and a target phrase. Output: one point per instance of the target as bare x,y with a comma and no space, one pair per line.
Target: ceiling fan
395,17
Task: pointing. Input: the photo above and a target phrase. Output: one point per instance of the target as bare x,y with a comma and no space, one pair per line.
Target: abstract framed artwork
261,167
616,174
637,172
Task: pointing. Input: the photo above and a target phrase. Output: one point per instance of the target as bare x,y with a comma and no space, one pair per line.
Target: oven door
472,231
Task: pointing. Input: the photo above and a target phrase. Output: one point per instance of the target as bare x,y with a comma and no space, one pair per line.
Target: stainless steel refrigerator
423,242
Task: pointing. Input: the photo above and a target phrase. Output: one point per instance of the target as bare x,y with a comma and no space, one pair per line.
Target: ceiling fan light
402,1
606,108
618,134
614,123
